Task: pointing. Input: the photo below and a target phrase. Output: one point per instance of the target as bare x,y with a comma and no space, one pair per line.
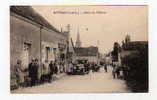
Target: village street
97,82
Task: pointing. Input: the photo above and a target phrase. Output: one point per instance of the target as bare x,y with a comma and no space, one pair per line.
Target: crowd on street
49,69
34,74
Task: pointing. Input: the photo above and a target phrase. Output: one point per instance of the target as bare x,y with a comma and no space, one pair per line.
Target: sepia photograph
79,49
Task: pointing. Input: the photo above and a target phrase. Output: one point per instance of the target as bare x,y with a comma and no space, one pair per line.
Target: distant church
89,54
78,41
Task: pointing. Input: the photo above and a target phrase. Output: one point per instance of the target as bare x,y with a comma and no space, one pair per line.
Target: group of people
120,72
34,74
49,69
85,67
44,73
33,71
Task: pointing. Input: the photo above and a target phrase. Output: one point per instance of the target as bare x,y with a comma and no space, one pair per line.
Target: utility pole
98,51
67,46
40,58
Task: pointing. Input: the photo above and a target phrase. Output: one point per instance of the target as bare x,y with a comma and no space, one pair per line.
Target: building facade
31,36
90,54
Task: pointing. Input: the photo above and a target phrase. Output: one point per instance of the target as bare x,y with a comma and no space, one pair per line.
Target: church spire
78,42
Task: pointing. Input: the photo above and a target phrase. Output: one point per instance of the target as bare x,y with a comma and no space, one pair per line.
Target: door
26,55
47,53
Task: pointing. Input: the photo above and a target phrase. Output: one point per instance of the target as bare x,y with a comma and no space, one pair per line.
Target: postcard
79,49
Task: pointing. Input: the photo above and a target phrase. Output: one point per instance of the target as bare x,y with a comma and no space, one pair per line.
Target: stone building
31,36
90,54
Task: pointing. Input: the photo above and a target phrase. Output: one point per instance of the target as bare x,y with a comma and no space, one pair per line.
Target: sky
99,25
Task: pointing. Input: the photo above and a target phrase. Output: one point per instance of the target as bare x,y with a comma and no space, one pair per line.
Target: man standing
30,70
33,71
105,67
45,71
55,67
52,69
36,68
114,71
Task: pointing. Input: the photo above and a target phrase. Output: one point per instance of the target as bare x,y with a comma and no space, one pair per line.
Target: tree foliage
137,62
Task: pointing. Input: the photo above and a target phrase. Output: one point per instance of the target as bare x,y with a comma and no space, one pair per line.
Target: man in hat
52,70
32,72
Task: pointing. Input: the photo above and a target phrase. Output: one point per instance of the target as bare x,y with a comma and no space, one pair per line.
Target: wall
89,58
23,31
52,39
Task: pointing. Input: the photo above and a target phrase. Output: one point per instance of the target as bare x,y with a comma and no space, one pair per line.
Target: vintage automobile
96,68
80,68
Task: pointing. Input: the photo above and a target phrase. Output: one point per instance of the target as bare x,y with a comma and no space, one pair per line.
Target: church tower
78,42
127,38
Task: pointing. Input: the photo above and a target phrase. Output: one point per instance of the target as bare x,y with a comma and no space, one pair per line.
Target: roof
127,53
134,45
29,13
86,51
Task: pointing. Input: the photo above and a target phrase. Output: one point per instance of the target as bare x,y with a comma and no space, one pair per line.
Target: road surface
97,82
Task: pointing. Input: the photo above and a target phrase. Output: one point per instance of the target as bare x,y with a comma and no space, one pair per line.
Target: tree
116,50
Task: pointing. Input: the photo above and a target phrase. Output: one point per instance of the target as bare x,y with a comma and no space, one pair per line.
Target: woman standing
19,73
